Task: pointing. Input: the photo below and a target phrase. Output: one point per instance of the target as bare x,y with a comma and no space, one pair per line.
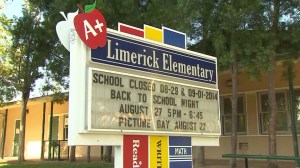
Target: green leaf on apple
89,8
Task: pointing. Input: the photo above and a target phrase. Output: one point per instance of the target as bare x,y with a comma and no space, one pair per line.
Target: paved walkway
224,163
240,164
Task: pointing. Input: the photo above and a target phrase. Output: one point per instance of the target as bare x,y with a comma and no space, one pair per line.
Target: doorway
55,126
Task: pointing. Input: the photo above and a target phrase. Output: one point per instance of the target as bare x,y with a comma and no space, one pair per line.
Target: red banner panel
135,151
131,30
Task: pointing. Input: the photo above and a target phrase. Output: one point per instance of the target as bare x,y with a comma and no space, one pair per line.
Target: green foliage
29,50
7,90
243,28
132,12
222,27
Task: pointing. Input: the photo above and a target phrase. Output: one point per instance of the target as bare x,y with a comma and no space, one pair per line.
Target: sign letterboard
129,103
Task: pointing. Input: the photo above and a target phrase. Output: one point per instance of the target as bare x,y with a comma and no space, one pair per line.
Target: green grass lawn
52,164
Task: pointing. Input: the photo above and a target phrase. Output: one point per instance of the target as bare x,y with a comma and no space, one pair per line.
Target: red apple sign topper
91,27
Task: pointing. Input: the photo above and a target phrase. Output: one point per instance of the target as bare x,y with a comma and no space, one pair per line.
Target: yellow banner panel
159,152
153,33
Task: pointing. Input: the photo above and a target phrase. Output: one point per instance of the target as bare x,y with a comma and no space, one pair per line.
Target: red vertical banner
135,151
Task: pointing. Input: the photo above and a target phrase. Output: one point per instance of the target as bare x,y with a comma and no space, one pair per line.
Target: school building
47,121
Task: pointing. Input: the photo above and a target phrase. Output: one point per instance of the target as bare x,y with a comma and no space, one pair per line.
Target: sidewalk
224,163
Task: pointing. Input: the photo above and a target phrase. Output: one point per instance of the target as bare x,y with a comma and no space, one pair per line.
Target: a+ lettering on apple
89,29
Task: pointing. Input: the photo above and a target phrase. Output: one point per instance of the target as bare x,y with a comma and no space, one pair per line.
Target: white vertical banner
79,54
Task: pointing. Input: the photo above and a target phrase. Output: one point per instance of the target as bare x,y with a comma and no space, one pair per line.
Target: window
66,125
226,111
264,113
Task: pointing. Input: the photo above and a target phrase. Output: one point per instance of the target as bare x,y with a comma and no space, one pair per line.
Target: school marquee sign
136,84
131,83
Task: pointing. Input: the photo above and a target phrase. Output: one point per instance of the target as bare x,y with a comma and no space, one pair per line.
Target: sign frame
80,56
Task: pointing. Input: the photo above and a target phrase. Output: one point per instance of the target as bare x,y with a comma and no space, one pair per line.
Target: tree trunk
234,110
273,118
200,156
72,153
88,154
272,98
234,70
43,132
25,97
102,153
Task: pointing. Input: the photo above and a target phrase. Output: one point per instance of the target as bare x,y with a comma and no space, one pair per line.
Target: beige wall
33,131
252,115
34,128
12,116
252,142
251,85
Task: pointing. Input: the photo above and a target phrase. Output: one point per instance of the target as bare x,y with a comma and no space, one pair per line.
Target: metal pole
3,133
43,132
50,132
292,111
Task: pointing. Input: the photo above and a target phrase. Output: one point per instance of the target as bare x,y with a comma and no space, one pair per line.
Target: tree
224,26
29,53
232,18
247,34
276,25
280,43
272,98
6,90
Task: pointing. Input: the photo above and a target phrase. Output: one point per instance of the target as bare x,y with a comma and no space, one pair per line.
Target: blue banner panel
174,38
141,55
181,164
180,141
180,152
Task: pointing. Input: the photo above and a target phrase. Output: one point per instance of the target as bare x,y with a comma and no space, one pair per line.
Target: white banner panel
123,102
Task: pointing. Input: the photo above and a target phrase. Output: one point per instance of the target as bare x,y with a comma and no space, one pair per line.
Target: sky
12,8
